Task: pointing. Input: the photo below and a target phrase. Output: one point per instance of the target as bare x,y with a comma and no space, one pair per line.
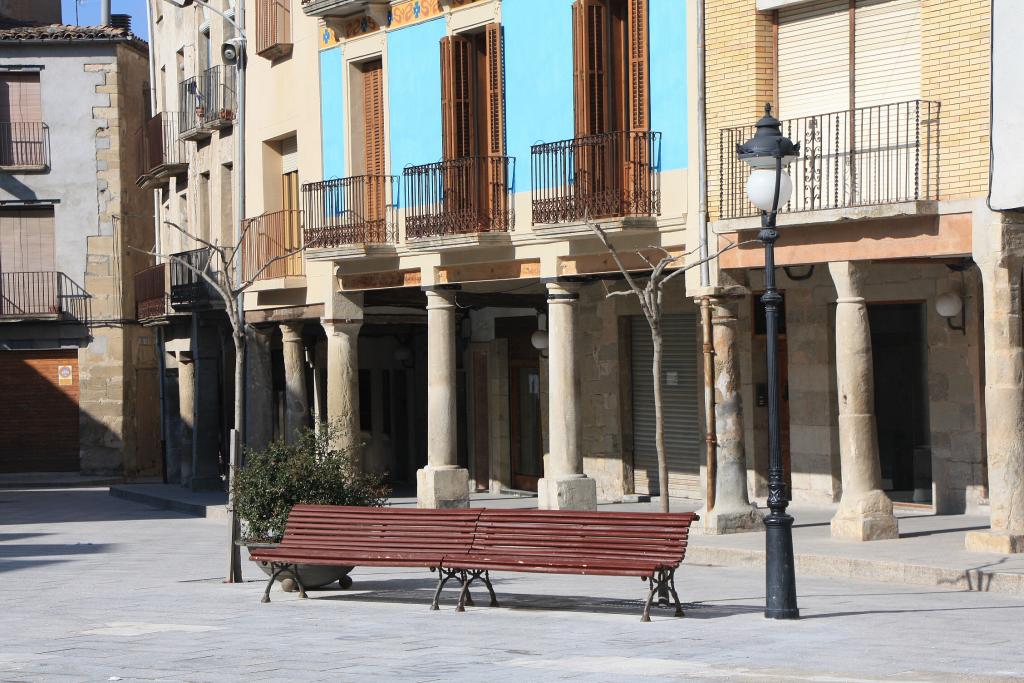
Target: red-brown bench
648,545
466,544
367,536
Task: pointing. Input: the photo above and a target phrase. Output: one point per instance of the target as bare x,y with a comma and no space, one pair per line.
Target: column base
868,518
730,521
442,488
567,493
989,541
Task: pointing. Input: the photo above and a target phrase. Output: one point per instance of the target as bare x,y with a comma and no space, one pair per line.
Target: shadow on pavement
45,506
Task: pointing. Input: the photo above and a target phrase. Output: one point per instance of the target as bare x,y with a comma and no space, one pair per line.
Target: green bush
306,471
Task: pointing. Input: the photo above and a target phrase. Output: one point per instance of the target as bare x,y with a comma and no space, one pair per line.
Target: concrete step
211,504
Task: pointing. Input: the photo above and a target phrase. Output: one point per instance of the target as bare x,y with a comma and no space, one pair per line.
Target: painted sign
65,375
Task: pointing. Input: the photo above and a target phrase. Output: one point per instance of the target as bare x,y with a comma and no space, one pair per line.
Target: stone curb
968,579
176,505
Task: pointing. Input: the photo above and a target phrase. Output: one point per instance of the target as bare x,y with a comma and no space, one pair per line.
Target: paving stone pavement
98,588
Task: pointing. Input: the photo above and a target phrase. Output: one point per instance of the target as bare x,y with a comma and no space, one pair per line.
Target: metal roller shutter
289,155
887,57
681,397
814,59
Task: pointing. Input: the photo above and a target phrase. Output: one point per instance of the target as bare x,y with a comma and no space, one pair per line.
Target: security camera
232,49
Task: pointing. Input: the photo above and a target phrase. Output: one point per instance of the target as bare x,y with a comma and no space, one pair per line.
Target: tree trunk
234,552
659,420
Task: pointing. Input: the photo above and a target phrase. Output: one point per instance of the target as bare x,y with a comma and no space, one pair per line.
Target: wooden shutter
814,59
26,241
373,117
639,107
590,67
457,124
373,147
495,90
20,101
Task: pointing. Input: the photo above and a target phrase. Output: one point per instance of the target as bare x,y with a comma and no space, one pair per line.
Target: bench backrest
624,536
390,529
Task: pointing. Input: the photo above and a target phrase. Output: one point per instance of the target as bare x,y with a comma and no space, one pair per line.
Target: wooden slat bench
648,545
466,544
343,536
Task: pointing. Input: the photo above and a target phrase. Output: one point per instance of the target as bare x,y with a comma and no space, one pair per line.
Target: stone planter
312,575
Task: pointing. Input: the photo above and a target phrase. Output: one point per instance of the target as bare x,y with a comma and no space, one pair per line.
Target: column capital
291,331
563,292
848,277
723,309
440,298
341,327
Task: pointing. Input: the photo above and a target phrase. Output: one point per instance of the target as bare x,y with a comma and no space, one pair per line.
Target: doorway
526,439
901,400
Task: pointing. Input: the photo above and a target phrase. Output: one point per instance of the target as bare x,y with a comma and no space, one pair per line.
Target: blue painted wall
332,112
667,33
414,89
538,77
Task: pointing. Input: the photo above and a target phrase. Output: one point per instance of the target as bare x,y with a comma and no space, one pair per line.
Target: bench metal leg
664,582
276,570
298,581
444,575
464,597
490,589
675,595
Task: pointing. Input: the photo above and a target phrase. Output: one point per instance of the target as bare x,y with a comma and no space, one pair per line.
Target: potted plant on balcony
227,115
307,470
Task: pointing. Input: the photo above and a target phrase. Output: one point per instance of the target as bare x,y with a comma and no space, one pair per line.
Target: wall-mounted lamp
539,339
949,306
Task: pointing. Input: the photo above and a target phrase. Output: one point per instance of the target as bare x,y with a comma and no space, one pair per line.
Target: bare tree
649,291
223,272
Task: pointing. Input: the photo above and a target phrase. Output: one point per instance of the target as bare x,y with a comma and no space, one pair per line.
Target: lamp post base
780,574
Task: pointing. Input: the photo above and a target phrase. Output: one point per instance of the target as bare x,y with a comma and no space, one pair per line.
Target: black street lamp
768,153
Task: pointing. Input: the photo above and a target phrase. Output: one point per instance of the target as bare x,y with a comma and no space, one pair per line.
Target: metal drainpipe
710,429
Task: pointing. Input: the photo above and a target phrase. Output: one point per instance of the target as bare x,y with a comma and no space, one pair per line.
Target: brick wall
955,39
740,58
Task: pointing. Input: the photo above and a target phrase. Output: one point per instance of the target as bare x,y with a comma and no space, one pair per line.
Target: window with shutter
21,116
27,241
459,123
373,141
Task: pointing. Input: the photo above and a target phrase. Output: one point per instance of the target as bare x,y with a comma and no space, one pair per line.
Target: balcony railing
273,28
355,210
44,294
24,145
270,236
160,152
600,176
151,292
459,196
189,289
207,101
872,155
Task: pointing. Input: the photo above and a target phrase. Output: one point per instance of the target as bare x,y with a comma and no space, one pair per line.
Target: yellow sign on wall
65,375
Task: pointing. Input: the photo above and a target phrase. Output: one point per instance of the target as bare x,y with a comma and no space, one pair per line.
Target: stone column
442,483
296,401
319,384
259,388
343,381
186,411
564,486
1004,408
731,512
865,512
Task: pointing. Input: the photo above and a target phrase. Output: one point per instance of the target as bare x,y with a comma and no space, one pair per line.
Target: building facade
77,371
901,284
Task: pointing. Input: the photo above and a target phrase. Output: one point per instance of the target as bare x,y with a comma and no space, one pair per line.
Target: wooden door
292,223
526,438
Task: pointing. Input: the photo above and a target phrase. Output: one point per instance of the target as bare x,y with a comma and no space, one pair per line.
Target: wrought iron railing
273,28
42,294
189,289
600,176
459,196
355,210
867,156
151,292
207,100
24,144
276,235
158,145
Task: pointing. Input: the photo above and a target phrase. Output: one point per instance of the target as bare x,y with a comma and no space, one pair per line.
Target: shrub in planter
309,471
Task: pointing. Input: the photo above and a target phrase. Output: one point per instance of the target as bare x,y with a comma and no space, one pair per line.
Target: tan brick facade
955,40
